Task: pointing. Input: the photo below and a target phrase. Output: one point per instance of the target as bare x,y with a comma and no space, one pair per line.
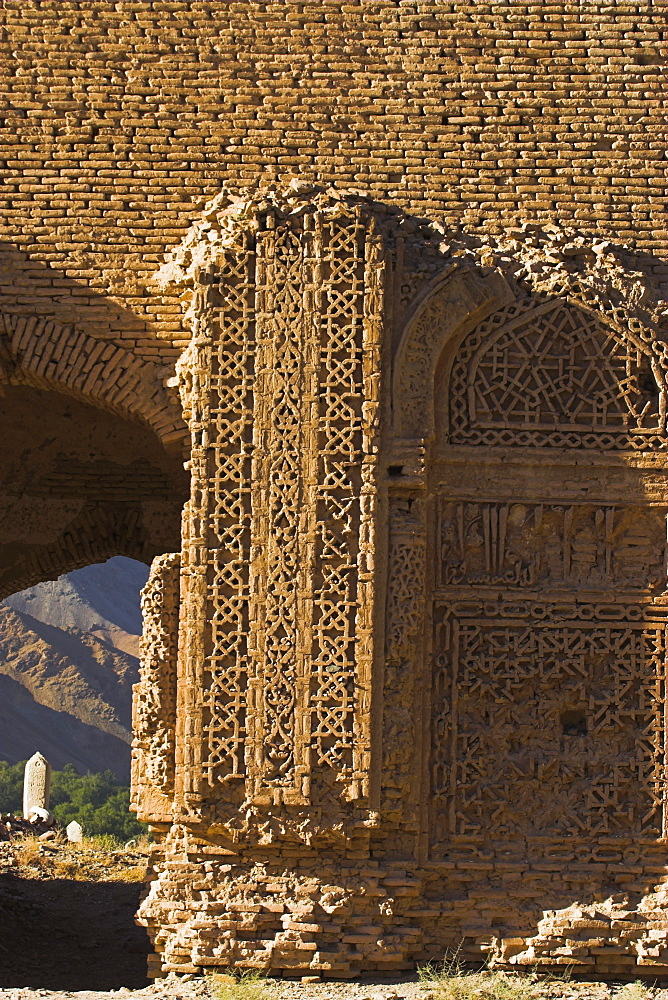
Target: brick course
121,118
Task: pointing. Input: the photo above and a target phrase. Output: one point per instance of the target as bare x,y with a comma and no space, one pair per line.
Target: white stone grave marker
36,784
74,832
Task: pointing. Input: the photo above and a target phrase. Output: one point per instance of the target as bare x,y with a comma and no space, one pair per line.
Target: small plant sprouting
249,985
449,980
633,991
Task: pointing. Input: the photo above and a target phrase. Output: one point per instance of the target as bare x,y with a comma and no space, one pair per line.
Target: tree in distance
99,802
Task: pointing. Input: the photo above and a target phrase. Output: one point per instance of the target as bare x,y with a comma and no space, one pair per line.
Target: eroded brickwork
403,686
423,590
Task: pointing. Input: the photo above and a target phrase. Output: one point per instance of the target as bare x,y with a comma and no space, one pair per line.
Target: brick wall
121,118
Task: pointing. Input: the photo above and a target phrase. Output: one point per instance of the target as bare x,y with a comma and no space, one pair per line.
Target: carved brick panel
550,545
556,376
549,622
545,725
281,521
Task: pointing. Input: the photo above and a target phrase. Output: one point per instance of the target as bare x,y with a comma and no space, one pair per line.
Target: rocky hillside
68,660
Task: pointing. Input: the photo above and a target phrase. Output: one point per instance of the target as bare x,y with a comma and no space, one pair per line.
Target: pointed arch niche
527,568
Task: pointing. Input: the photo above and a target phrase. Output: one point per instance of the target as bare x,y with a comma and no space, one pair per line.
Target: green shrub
100,802
11,787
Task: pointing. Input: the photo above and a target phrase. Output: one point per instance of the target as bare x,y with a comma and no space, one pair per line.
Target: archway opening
79,485
92,494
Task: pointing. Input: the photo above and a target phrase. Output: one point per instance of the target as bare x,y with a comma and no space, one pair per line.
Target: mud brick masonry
352,318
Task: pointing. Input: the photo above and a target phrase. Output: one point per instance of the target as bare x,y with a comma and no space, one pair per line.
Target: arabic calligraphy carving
552,545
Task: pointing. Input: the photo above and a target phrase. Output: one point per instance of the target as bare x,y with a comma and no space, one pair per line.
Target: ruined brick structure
403,684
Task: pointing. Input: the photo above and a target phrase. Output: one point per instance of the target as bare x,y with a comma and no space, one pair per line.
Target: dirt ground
66,917
205,988
75,937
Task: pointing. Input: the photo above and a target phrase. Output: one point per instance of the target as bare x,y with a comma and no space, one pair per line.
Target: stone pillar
74,832
274,800
154,697
36,784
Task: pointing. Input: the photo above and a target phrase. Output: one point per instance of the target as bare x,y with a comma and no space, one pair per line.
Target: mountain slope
68,660
26,727
103,598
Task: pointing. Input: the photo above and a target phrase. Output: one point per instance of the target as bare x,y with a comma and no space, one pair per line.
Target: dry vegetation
451,982
248,986
96,859
448,981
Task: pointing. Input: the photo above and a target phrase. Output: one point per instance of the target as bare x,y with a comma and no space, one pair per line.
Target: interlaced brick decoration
217,386
228,474
311,423
280,522
283,404
556,376
502,760
549,707
339,496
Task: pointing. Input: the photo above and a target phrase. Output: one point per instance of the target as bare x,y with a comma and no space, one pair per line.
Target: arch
608,383
463,298
80,483
451,305
43,353
94,536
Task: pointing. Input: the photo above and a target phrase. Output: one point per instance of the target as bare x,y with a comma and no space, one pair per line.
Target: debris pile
41,824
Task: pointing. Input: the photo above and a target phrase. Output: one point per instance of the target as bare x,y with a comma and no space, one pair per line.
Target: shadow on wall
70,935
79,485
91,442
29,286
